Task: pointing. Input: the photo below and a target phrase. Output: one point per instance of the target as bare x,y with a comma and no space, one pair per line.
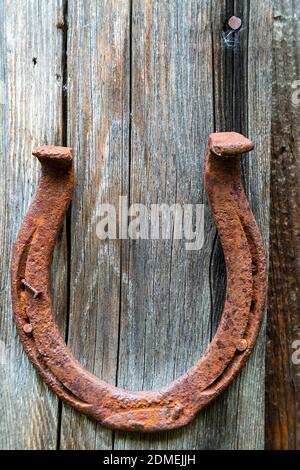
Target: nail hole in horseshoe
254,267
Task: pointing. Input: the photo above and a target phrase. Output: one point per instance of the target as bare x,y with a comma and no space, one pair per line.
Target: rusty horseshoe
176,404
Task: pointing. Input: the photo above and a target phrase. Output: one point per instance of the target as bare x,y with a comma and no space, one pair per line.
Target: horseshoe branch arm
177,403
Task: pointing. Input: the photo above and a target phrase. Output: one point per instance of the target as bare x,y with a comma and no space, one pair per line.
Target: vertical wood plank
31,62
165,316
283,332
242,103
257,184
98,117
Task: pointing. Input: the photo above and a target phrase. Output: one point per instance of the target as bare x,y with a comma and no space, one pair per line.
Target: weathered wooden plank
134,305
163,309
243,93
98,116
257,183
283,378
31,61
165,317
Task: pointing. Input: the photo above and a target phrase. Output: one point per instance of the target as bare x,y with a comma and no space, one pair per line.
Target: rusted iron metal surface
235,23
176,404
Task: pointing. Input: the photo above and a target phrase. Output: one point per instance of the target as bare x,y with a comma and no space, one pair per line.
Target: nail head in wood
235,23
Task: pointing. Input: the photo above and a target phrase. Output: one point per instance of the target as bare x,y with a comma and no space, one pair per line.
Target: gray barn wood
31,50
142,85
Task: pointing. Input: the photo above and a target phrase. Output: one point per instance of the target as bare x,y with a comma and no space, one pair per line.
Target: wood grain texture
242,96
98,130
146,82
165,307
31,114
257,184
283,377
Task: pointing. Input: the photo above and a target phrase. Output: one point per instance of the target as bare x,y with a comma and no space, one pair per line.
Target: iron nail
27,328
242,345
234,23
35,292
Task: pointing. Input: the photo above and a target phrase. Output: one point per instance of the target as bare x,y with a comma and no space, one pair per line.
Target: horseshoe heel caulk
177,403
